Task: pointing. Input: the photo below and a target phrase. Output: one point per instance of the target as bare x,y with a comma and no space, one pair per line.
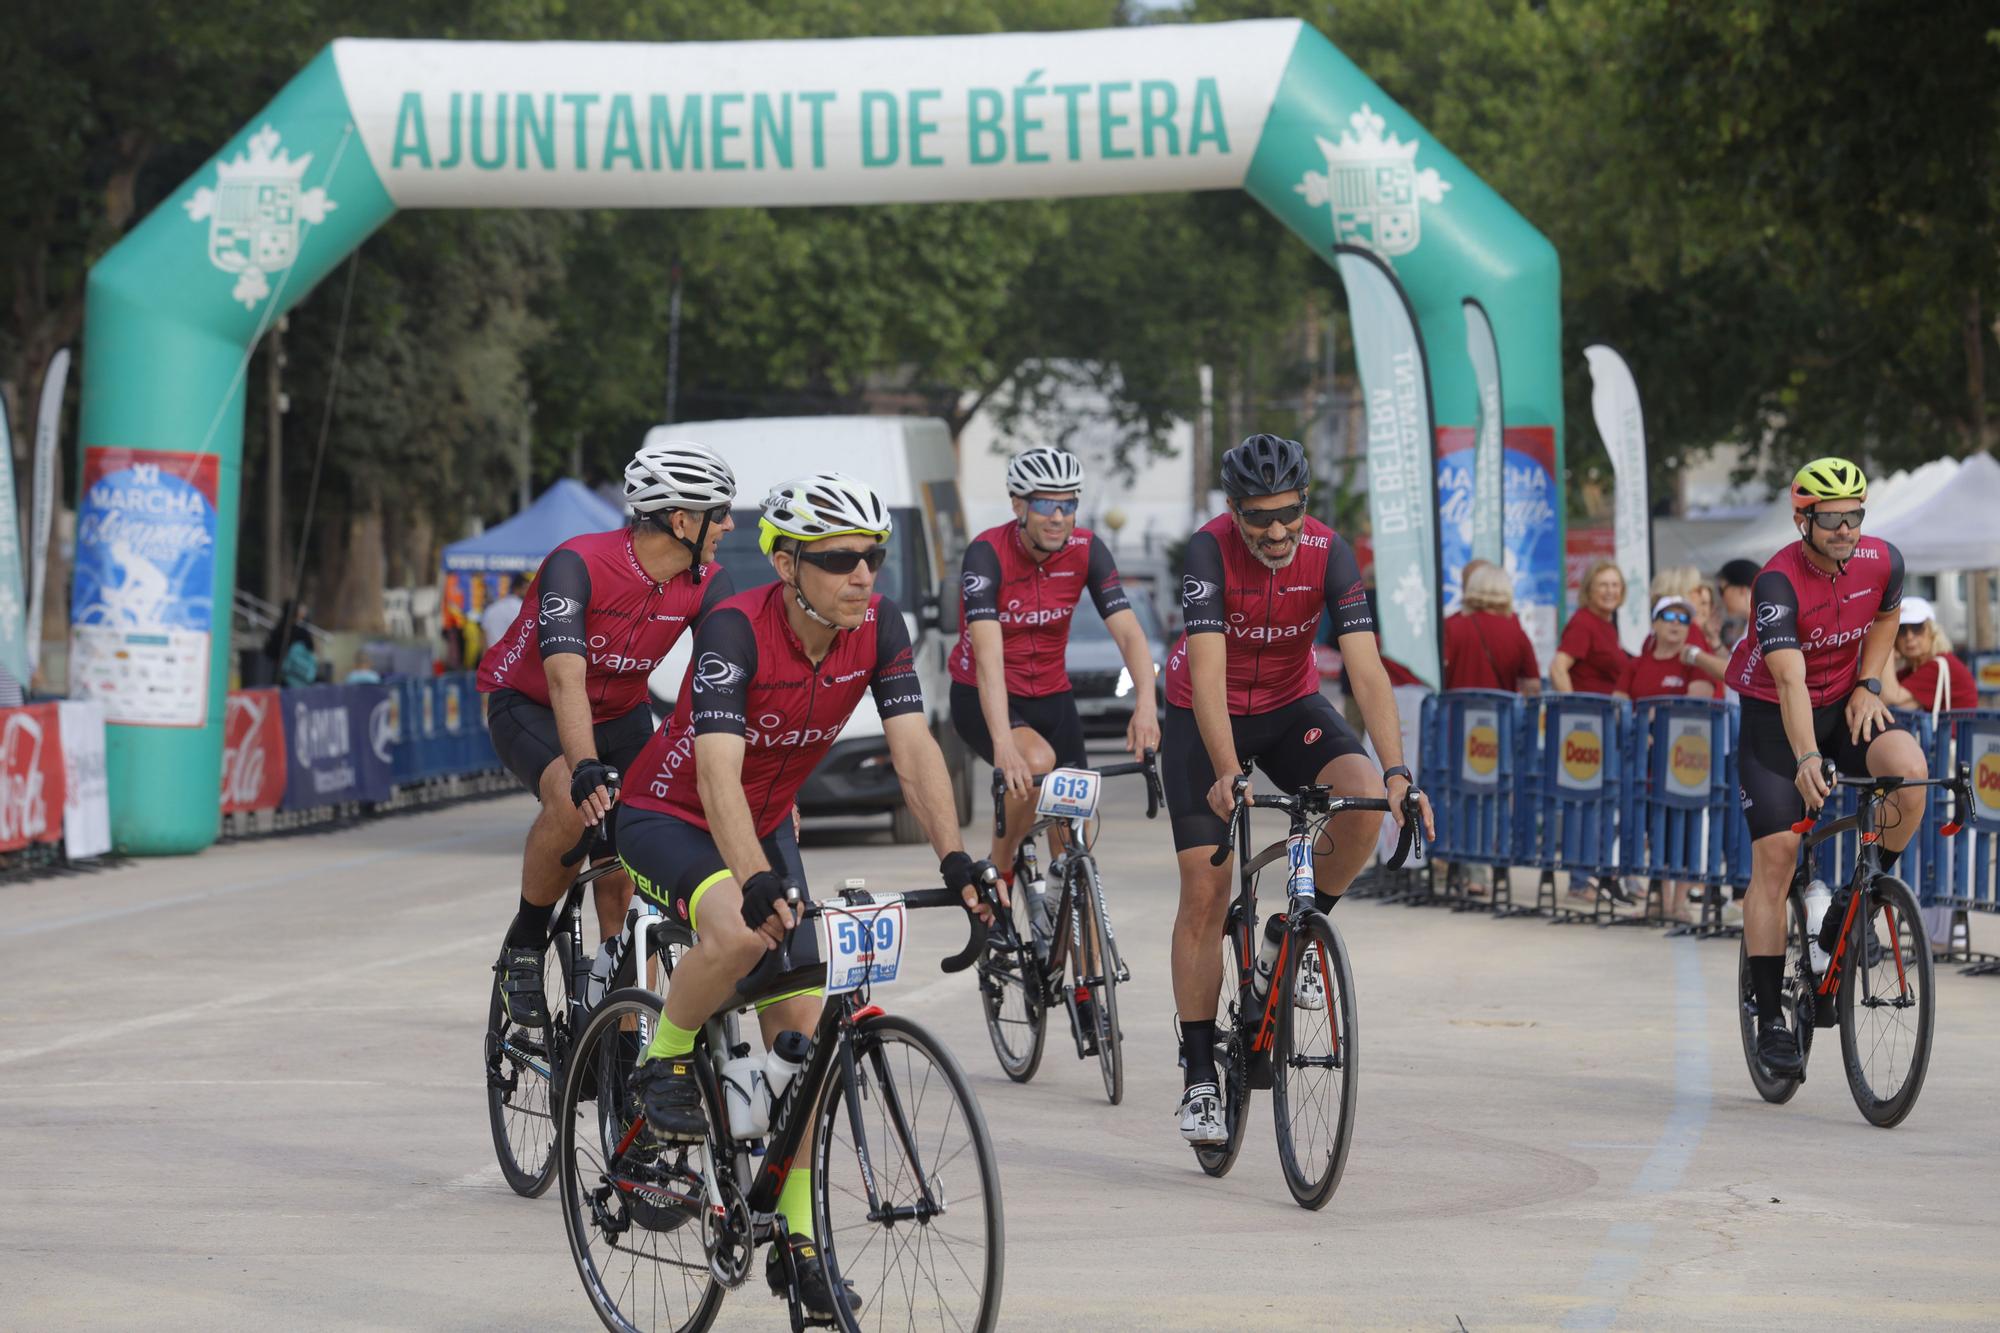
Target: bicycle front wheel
1888,1003
1313,1069
523,1081
1103,985
1797,1001
906,1192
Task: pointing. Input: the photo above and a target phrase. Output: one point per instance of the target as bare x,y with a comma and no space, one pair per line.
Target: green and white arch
373,126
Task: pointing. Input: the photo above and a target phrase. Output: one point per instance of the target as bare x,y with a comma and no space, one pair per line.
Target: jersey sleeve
1892,589
1774,611
725,664
716,588
1101,577
1346,600
894,684
1201,585
565,594
979,582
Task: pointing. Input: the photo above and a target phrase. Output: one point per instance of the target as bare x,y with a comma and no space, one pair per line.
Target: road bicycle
905,1188
1299,1035
1878,983
1070,956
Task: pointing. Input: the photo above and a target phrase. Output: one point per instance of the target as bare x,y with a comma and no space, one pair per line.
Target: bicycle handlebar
778,962
1155,795
1320,800
1959,784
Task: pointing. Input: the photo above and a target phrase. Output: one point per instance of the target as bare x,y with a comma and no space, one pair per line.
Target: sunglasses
1264,518
846,562
1050,508
1835,522
1675,617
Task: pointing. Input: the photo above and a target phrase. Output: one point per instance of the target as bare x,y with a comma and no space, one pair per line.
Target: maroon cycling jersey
751,678
1796,604
592,597
1269,617
1033,601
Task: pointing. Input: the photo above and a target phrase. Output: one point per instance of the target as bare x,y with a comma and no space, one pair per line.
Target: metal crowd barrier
1580,789
1682,815
1964,872
1472,768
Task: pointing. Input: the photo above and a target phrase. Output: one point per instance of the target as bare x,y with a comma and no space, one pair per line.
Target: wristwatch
1399,771
1872,684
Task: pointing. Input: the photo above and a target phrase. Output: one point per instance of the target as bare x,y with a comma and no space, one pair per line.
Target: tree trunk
1977,429
356,582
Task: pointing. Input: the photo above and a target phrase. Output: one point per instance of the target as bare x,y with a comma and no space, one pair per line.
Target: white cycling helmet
668,473
825,504
1044,468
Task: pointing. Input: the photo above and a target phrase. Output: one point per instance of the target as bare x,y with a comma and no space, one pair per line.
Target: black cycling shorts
1052,716
1765,765
673,863
524,736
1290,744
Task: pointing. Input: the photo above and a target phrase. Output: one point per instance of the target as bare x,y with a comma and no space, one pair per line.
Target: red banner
32,790
253,752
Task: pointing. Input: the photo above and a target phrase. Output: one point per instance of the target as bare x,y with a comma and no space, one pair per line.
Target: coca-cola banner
253,752
31,776
337,745
86,794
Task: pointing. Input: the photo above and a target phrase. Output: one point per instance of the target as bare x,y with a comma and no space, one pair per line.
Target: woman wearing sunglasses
1659,671
1823,621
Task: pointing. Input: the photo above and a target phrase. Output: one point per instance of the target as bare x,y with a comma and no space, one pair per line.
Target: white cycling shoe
1309,991
1201,1115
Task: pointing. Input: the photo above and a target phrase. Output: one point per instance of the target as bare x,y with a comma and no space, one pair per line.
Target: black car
1097,672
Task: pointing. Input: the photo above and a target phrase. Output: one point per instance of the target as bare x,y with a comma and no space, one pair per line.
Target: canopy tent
566,509
1888,501
1952,528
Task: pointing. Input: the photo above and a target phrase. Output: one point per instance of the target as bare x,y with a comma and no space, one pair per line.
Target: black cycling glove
588,776
960,872
760,896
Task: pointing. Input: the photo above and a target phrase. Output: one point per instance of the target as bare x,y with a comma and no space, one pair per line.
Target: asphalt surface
241,1090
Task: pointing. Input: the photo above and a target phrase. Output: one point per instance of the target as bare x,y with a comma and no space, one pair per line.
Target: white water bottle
752,1084
1267,957
603,968
1818,895
1041,924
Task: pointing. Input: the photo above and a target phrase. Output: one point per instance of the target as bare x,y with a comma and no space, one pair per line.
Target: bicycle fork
929,1204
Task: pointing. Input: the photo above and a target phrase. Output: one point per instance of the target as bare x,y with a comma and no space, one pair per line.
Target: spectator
1485,647
1588,658
364,672
1932,678
498,617
1659,671
301,665
1736,577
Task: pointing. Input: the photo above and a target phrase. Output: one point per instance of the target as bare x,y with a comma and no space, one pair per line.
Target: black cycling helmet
1264,465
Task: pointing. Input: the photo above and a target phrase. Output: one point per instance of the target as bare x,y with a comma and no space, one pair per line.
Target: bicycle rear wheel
524,1079
934,1254
1888,1004
1013,993
1104,985
1233,1033
1313,1068
634,1215
1796,1001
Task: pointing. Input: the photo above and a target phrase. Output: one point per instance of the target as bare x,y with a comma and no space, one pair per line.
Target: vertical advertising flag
1488,520
1614,405
1534,532
13,612
42,509
1402,509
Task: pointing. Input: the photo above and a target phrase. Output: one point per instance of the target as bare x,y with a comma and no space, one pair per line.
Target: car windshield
1087,624
751,568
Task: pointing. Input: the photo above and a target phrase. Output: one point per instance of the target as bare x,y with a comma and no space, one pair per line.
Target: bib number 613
1069,793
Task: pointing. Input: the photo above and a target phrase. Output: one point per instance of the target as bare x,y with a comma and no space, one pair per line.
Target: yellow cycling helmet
826,504
1827,479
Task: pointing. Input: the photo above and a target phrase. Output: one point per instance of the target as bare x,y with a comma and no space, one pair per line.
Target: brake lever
1240,787
975,941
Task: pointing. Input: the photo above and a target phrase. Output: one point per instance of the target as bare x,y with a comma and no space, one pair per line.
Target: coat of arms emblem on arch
1373,186
255,211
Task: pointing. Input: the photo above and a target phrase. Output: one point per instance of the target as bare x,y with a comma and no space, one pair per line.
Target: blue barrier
1682,790
1470,753
1967,868
440,729
1578,784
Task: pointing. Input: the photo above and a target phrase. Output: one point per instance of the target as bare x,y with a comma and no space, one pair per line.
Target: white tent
1888,502
1955,527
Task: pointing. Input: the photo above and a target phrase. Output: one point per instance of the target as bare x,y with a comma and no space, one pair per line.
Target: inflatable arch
368,127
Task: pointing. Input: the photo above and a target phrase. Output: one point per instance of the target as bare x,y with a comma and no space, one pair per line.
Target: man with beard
1242,687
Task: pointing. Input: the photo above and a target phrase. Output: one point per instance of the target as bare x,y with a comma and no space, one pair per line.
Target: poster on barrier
321,767
1979,746
1684,763
86,793
1479,761
253,752
31,776
373,709
1578,739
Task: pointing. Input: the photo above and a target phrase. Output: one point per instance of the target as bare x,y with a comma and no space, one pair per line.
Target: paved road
240,1090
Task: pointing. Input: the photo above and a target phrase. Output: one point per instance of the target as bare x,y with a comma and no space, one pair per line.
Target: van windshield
751,568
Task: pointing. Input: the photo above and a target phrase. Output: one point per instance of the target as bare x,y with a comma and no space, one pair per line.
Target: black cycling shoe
521,987
813,1292
671,1099
1778,1049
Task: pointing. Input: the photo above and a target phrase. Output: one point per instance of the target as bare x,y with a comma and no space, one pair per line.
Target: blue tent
566,509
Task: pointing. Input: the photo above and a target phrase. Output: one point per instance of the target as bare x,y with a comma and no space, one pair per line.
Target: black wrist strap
1399,771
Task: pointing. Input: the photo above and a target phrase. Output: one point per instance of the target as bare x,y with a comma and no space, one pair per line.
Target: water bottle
1267,958
1303,883
602,969
752,1084
1041,916
1818,895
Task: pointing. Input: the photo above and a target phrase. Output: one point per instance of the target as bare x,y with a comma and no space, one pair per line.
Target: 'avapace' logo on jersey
555,606
712,672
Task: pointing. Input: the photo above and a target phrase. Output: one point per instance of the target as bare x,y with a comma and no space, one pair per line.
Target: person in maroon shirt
1661,670
1928,660
1588,658
1485,647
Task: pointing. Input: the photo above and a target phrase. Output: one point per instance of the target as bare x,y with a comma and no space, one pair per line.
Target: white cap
1917,611
1666,602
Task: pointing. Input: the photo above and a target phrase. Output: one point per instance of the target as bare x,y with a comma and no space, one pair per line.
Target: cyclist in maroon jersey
705,830
1242,687
568,710
1822,624
1020,582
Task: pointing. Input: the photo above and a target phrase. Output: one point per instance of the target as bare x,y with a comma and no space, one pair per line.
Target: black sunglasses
1050,508
1264,518
845,562
1835,522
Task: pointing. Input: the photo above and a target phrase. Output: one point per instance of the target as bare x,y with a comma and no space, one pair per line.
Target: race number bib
1069,793
863,946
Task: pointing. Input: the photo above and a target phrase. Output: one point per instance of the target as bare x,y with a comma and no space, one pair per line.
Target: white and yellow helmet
825,504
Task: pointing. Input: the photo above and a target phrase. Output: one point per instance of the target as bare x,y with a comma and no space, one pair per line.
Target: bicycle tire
672,1210
1313,1169
1900,969
848,1255
520,1097
1104,990
1013,994
1231,1059
1778,1089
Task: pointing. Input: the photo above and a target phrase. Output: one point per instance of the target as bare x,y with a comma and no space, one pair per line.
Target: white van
910,463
